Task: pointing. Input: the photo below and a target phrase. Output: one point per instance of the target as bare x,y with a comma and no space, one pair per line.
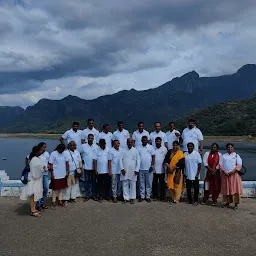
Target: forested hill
227,118
170,101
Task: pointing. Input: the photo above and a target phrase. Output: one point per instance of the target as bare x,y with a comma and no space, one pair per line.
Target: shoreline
57,136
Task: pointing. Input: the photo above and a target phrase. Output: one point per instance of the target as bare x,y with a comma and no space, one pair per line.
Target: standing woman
193,163
58,164
212,181
34,188
45,158
231,182
75,166
175,162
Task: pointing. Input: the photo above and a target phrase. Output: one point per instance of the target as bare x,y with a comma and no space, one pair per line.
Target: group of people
122,167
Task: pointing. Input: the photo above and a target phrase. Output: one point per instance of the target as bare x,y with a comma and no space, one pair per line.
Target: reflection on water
16,149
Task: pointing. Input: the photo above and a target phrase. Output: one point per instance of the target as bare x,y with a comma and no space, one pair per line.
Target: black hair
60,147
120,122
177,143
102,141
41,144
115,141
229,144
90,135
217,145
157,123
75,123
34,151
191,120
158,138
140,123
143,137
191,143
89,120
171,123
105,125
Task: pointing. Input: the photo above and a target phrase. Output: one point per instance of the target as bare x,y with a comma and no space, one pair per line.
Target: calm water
16,149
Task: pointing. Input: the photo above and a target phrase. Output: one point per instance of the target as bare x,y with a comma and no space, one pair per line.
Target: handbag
24,175
78,172
177,176
243,170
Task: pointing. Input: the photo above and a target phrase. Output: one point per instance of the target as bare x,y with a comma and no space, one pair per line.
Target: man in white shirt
194,135
147,156
106,135
158,133
130,165
74,134
138,134
90,130
159,173
88,150
102,166
115,156
121,135
193,163
173,135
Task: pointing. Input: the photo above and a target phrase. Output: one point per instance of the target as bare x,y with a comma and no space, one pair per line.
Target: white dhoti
129,189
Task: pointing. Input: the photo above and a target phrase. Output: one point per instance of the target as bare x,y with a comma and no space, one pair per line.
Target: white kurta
130,163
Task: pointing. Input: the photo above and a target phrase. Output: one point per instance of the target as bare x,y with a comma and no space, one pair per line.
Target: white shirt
159,159
122,137
130,163
36,168
154,135
45,158
73,162
171,137
102,160
230,161
107,137
193,135
88,152
136,136
116,157
71,135
88,131
205,159
146,154
59,164
191,164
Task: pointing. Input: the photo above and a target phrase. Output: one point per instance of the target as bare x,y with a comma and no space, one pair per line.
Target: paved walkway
116,229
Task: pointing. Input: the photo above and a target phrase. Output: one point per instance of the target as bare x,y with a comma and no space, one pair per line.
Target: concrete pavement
154,229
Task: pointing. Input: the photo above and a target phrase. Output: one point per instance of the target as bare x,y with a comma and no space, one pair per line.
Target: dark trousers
90,183
103,185
158,178
192,184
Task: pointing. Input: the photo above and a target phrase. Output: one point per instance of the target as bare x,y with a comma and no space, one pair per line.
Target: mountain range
173,100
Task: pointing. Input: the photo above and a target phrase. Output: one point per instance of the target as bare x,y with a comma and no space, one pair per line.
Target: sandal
61,204
35,214
53,207
225,205
43,206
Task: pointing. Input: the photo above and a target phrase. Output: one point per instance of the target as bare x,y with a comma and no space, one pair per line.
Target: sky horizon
93,48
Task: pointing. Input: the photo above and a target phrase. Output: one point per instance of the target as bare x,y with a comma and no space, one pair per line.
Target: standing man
74,134
130,165
121,135
173,135
159,174
102,166
194,135
147,156
158,133
88,150
115,156
106,135
90,130
138,134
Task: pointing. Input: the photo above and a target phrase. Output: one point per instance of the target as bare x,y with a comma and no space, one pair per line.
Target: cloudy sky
89,48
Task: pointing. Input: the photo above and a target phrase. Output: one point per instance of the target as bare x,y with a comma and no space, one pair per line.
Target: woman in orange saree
175,162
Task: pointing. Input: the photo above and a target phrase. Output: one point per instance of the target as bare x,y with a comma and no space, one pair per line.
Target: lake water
16,149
